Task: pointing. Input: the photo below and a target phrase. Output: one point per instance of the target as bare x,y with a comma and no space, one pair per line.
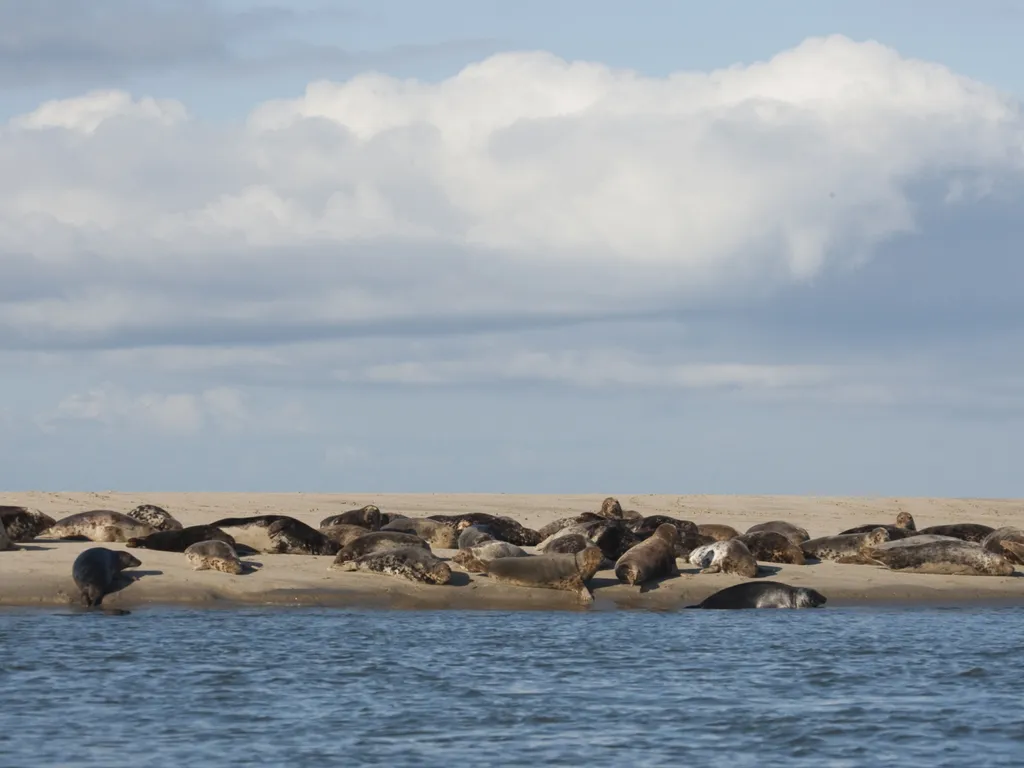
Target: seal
552,528
214,555
848,548
434,533
717,531
502,528
652,558
568,572
610,508
472,535
476,559
974,532
157,518
277,535
412,563
98,525
905,526
771,547
343,535
763,594
378,541
95,571
24,524
5,541
1008,542
689,536
794,533
731,556
948,556
565,544
368,517
179,541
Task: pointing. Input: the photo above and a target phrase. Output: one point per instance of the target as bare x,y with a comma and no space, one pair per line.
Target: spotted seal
98,525
368,517
378,541
157,518
730,556
717,531
771,547
905,526
794,533
652,558
23,523
949,556
974,532
277,534
180,540
412,563
763,594
561,524
568,572
1008,542
476,559
689,535
566,544
848,548
502,528
214,555
434,533
96,569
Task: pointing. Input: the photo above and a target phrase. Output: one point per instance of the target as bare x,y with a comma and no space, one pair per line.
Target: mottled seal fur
974,532
689,536
568,572
368,517
179,541
652,558
412,563
24,524
95,570
848,548
730,556
1006,541
794,533
763,594
157,518
610,508
502,528
565,544
342,534
434,533
472,535
905,526
378,541
717,531
772,547
946,556
215,555
557,526
277,534
476,559
5,541
99,525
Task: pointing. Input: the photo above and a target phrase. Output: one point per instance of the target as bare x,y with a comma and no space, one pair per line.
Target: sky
531,247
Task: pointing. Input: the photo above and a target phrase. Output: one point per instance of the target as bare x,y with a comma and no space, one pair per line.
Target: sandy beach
39,573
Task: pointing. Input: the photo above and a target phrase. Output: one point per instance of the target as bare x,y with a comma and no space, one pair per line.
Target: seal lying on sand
476,559
179,541
794,533
215,555
848,548
558,526
568,572
652,558
502,528
565,544
378,541
343,535
730,556
24,524
157,518
5,541
99,525
763,594
1008,542
95,569
277,535
413,563
771,547
905,526
945,556
472,535
717,531
689,537
368,517
434,533
964,531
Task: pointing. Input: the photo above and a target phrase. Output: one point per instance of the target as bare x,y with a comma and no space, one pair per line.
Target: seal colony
465,549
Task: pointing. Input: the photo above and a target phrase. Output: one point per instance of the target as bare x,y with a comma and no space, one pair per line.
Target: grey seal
652,558
180,540
905,526
561,524
948,556
434,533
277,535
689,536
566,544
368,517
99,525
974,532
157,518
412,563
215,555
717,531
472,535
5,541
771,547
568,572
763,594
794,533
476,559
23,523
730,556
848,548
342,534
503,528
378,541
96,569
1008,542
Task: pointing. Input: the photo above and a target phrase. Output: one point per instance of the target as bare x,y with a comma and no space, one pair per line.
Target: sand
39,573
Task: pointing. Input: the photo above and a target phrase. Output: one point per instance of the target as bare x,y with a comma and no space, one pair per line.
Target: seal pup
652,558
772,547
180,540
847,548
412,563
974,532
99,525
730,556
5,541
157,518
368,517
905,526
434,533
1006,541
472,535
950,556
503,528
568,572
24,524
794,533
378,541
763,594
95,570
717,531
215,555
475,559
567,544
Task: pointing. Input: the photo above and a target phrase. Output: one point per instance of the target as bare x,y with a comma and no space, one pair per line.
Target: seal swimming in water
472,535
771,547
180,540
974,532
434,533
24,524
948,556
763,594
503,528
847,548
99,525
412,563
1008,542
905,526
652,558
717,531
213,554
368,517
277,535
568,572
476,559
95,570
378,541
794,533
730,556
157,518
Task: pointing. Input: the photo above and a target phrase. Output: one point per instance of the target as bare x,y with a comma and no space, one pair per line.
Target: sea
304,686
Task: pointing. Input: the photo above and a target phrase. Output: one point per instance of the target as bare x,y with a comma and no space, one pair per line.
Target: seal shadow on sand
127,578
459,579
249,567
33,547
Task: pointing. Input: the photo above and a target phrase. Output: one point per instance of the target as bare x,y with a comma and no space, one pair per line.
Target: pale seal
179,541
412,563
652,558
277,534
772,547
794,533
472,535
763,594
717,531
98,525
24,524
905,526
568,572
378,541
1008,542
157,518
434,533
368,517
947,556
730,556
974,532
847,548
502,528
476,559
95,570
215,555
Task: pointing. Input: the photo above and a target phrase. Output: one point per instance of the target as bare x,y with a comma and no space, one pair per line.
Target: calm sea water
311,687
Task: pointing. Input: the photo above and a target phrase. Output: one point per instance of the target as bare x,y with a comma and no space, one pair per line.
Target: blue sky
536,247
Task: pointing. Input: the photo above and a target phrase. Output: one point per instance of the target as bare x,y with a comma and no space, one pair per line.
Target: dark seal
771,547
378,541
905,526
973,532
368,517
763,594
24,524
794,533
502,528
179,541
652,558
95,570
412,563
